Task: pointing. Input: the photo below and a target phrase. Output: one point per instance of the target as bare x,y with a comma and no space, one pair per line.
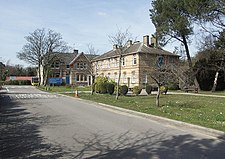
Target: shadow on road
150,145
19,133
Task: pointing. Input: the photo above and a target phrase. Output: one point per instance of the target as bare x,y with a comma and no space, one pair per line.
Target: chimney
146,40
75,51
129,43
153,42
115,46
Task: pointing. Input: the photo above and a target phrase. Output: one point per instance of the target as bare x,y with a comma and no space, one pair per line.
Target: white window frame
135,59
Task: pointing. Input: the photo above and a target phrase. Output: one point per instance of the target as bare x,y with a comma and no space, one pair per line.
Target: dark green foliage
209,61
137,90
173,86
102,88
103,85
148,89
123,90
110,88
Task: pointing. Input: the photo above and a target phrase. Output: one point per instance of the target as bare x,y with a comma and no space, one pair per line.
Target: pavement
45,125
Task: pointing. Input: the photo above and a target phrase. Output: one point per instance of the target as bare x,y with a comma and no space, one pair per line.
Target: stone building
73,68
139,59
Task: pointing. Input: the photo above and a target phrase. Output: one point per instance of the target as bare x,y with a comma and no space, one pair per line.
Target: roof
1,64
66,57
137,47
69,58
88,56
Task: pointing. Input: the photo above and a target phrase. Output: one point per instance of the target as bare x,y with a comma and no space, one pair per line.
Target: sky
80,22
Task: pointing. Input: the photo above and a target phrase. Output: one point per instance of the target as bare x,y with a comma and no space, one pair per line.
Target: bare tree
91,50
161,76
119,40
92,66
39,48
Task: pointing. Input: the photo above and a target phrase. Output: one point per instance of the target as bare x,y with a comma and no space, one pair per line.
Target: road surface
35,124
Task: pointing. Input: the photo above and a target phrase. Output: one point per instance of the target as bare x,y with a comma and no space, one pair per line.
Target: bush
173,86
123,90
148,89
163,89
101,88
137,90
110,88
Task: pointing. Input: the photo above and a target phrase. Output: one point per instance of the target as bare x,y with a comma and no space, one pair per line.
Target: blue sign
55,80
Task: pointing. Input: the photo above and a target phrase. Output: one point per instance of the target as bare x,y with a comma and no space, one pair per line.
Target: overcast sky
79,21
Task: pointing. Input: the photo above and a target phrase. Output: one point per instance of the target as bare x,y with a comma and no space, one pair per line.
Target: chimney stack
115,46
146,40
153,41
129,43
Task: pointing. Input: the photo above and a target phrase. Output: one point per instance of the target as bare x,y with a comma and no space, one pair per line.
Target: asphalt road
34,124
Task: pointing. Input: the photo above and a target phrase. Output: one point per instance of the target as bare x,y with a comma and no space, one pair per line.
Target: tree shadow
148,145
19,133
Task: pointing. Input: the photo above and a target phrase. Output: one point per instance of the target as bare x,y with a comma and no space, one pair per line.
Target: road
35,124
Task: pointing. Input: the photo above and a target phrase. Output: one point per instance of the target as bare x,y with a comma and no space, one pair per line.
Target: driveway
36,124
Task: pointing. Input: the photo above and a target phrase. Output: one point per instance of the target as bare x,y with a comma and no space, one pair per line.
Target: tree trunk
39,73
190,62
92,85
157,96
118,82
215,82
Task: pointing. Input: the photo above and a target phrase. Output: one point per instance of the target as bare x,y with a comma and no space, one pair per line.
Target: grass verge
204,111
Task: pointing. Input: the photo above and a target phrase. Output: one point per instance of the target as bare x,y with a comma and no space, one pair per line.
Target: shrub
110,88
173,86
148,89
123,90
103,88
163,89
136,90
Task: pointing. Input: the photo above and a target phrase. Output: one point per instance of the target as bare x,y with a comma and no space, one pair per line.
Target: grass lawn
204,111
62,89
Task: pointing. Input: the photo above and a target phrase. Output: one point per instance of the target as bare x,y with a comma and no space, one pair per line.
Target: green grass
204,111
62,89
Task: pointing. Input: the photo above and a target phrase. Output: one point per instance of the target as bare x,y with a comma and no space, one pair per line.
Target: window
77,78
81,65
115,62
123,61
85,65
124,77
67,66
81,77
134,59
108,63
85,77
160,61
133,78
115,77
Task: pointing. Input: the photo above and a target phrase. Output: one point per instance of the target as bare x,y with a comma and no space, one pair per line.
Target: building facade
73,68
139,59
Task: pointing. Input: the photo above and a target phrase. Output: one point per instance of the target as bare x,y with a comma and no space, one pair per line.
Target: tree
173,21
91,50
119,40
210,62
92,66
161,76
39,49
